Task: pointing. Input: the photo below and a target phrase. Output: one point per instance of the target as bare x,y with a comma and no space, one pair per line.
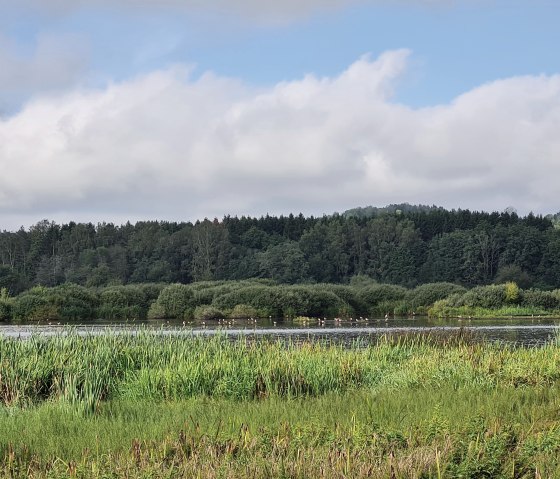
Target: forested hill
371,211
405,246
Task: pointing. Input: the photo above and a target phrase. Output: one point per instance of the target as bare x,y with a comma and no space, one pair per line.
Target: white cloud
169,146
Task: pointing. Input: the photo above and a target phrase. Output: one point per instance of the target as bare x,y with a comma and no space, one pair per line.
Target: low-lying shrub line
257,298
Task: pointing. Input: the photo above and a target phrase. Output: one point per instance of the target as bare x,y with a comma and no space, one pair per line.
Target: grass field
165,407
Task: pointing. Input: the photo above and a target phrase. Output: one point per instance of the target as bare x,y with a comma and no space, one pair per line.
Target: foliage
385,307
156,311
401,244
492,296
160,406
423,296
380,299
64,302
284,263
5,305
514,273
258,298
244,311
498,301
546,300
205,312
284,300
175,299
512,294
122,302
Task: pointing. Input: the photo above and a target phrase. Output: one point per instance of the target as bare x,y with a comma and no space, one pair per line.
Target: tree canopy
400,244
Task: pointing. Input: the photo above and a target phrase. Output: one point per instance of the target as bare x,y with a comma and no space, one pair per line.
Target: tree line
403,245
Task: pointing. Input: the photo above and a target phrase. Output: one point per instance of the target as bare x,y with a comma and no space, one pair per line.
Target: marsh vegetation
152,406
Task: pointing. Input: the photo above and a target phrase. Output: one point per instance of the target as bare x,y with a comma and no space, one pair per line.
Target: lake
523,332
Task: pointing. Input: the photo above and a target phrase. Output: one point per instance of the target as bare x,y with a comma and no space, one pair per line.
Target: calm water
525,332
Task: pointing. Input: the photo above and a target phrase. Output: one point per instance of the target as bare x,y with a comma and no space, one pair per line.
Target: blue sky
456,45
448,60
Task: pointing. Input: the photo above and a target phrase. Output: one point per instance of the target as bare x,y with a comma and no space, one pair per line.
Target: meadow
157,406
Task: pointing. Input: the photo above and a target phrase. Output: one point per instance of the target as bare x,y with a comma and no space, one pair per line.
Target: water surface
524,332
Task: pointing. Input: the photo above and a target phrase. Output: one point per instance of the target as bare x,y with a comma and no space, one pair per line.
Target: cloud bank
166,145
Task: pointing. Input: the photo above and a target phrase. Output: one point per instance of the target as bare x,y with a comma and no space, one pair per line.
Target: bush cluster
257,298
64,302
507,297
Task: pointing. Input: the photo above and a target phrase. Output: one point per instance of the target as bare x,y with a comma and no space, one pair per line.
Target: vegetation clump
64,302
206,312
5,305
244,311
506,300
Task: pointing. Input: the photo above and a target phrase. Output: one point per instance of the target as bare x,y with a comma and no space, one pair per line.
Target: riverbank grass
506,312
448,432
177,406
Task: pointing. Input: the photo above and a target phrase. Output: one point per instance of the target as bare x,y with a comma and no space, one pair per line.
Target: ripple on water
520,332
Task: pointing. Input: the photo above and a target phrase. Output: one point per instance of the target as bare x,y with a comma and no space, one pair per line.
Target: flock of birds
304,321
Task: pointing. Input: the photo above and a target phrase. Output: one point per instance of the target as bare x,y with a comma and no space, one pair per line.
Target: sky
117,110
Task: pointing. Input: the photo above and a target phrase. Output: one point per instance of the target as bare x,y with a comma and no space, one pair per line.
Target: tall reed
87,370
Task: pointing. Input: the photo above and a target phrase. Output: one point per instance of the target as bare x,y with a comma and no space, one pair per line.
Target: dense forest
401,244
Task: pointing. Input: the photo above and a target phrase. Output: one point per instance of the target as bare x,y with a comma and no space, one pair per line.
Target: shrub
347,293
489,297
371,296
242,311
441,308
310,301
266,299
206,312
65,302
5,310
284,300
5,305
512,292
123,302
428,294
540,299
345,311
174,300
32,304
150,291
384,307
402,308
156,311
453,300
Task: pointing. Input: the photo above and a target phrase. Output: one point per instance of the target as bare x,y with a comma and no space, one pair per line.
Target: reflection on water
526,332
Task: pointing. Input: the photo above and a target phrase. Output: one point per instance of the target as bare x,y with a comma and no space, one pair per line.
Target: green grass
500,313
89,370
470,432
171,406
